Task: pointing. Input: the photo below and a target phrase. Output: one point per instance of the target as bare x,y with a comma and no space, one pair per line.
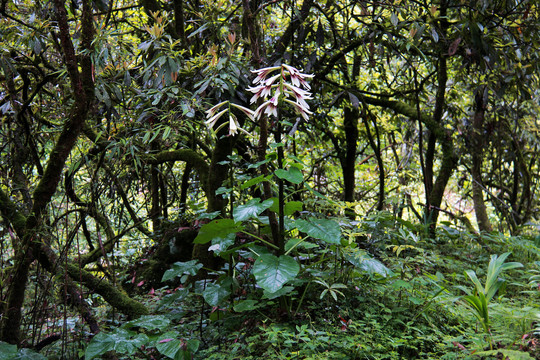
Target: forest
281,179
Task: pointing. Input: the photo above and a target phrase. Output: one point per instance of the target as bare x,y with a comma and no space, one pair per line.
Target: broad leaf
28,354
293,175
149,322
289,208
127,343
171,299
322,229
99,345
214,294
168,344
271,272
254,181
220,244
373,266
180,268
7,351
246,305
472,275
193,345
216,228
363,261
299,243
283,291
250,210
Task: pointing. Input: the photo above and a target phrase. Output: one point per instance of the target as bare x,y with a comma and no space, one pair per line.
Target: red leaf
140,284
151,292
165,340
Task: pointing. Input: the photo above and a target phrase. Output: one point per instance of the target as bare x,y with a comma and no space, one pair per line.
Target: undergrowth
389,293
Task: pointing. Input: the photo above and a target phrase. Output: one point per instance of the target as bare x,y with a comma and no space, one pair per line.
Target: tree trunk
350,126
477,154
217,174
80,81
376,146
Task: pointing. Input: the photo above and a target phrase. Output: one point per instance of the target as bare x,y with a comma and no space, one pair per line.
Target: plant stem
281,195
263,143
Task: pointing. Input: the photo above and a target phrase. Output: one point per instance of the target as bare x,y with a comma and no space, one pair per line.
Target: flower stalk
273,87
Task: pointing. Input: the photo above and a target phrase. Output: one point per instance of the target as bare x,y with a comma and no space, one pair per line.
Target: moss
11,214
114,296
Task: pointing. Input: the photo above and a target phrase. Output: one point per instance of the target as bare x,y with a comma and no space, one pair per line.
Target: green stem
281,194
262,240
295,245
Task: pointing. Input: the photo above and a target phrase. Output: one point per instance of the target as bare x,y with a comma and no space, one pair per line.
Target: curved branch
189,156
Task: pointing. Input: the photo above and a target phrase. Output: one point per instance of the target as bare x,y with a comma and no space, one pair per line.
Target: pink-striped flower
298,78
292,85
263,73
213,116
260,91
300,109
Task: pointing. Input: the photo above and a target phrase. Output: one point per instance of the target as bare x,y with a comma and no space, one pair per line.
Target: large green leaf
373,266
176,297
289,208
322,229
168,344
246,305
7,351
28,354
214,294
293,175
99,345
254,181
180,268
126,343
121,340
286,290
150,322
363,261
10,352
271,272
251,209
216,228
220,244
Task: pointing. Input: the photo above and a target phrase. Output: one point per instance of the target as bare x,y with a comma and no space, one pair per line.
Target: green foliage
216,228
251,209
129,343
323,229
10,352
183,270
272,272
507,354
479,300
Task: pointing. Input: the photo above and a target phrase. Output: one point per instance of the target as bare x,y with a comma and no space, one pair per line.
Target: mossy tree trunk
29,235
348,161
478,142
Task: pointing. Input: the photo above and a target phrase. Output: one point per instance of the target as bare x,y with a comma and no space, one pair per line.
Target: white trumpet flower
292,85
263,73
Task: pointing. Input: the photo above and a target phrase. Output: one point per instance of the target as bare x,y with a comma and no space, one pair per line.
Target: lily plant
277,84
